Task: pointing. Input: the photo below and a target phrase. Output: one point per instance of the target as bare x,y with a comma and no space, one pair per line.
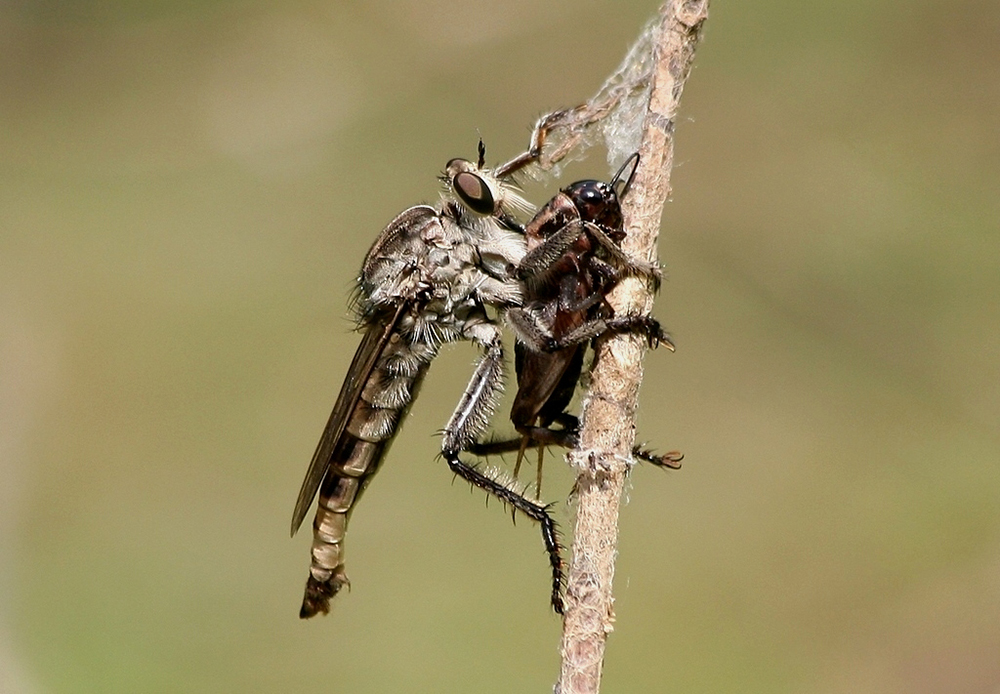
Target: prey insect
426,281
574,260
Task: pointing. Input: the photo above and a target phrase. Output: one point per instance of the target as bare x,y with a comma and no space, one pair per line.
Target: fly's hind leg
467,424
532,509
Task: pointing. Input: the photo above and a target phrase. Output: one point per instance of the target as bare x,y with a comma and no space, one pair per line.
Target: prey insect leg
534,334
541,437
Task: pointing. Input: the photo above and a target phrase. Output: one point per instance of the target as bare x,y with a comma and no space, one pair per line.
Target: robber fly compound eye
474,192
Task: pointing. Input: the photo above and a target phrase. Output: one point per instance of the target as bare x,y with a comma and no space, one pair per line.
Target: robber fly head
480,190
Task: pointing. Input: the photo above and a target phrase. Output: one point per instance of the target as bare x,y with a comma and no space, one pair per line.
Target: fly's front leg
551,121
466,425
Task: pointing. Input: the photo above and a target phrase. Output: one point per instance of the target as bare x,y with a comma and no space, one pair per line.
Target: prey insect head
597,201
600,202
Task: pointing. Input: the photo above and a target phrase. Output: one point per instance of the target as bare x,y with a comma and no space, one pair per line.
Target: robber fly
426,281
574,260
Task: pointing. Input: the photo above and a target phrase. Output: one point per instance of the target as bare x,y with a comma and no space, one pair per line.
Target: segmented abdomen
384,401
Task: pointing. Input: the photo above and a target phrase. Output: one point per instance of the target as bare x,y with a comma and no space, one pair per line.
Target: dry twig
654,73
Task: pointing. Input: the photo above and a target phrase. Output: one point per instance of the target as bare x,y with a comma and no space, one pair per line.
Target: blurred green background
187,190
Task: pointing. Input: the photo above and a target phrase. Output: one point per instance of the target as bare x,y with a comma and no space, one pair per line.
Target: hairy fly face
482,192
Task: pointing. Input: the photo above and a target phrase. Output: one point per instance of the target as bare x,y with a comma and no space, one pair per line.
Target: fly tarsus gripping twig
535,511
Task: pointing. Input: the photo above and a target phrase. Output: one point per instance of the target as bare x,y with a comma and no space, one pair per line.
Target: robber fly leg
532,509
551,121
472,415
470,420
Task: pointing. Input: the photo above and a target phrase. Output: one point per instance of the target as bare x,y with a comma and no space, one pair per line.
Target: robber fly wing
369,351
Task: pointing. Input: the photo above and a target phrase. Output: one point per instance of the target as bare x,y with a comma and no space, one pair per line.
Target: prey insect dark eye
596,201
474,192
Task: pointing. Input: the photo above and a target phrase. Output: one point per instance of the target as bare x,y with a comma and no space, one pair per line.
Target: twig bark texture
608,430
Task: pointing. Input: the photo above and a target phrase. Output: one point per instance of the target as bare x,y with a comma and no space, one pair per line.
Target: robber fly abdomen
382,403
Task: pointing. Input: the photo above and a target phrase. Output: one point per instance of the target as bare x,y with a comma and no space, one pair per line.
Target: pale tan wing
372,345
